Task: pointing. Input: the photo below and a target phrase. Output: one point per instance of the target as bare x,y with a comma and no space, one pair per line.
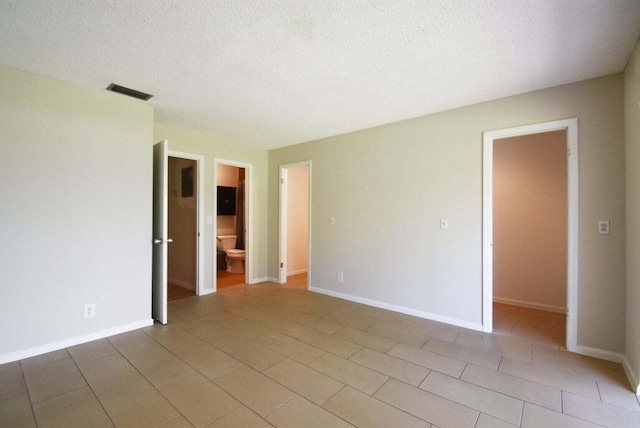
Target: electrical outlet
444,223
89,310
332,221
603,227
340,277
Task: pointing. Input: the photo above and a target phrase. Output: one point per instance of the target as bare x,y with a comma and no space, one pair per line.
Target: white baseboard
631,375
259,280
401,309
182,284
599,353
297,272
73,341
539,306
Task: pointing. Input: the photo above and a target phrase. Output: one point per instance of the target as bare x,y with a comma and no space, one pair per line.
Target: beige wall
76,198
183,228
297,220
632,143
389,186
203,143
530,220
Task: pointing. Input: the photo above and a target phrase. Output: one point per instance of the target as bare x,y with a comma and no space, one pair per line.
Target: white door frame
199,159
248,220
282,253
571,125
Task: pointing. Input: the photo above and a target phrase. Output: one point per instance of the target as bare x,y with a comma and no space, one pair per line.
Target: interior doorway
233,252
295,224
530,236
491,141
182,254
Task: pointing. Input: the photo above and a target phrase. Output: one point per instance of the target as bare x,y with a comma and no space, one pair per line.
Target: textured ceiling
275,73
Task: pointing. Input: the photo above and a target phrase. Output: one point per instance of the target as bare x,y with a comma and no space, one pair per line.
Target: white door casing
571,126
160,229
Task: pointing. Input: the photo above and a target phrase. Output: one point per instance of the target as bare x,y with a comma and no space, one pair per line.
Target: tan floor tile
523,389
364,411
309,383
187,320
358,319
241,417
321,324
440,363
252,354
425,405
349,373
217,335
91,351
536,416
249,329
486,401
135,343
333,344
289,328
600,413
209,361
16,412
198,399
109,373
162,367
138,405
369,340
179,422
550,377
282,311
459,352
78,408
294,349
299,412
173,338
430,328
402,370
254,390
618,393
398,334
499,345
12,382
486,421
53,379
40,360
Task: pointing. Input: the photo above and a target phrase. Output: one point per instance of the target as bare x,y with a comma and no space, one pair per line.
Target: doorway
295,224
182,254
232,197
530,236
494,233
161,239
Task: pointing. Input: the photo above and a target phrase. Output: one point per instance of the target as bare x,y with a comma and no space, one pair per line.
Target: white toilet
234,258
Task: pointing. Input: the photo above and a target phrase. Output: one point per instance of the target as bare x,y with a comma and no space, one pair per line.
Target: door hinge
568,151
281,265
282,181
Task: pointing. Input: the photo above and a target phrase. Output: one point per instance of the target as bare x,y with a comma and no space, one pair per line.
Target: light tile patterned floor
267,355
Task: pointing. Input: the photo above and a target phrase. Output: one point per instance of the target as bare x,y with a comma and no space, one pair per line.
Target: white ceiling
276,73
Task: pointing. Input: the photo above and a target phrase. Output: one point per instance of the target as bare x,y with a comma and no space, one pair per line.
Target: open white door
160,230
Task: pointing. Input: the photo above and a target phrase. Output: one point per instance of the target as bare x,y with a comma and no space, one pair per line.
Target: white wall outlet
340,277
332,221
603,227
444,223
89,310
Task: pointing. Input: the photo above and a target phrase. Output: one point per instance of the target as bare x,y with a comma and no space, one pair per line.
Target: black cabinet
226,200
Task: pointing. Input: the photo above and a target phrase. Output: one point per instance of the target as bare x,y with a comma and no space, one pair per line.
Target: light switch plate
603,227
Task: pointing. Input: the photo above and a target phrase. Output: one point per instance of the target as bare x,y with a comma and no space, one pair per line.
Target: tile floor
267,355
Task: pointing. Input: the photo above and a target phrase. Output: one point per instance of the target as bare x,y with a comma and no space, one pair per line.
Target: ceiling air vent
129,92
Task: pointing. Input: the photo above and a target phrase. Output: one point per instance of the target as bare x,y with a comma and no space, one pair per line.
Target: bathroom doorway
502,183
295,224
232,186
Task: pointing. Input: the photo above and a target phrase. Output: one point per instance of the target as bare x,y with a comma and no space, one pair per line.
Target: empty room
320,213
